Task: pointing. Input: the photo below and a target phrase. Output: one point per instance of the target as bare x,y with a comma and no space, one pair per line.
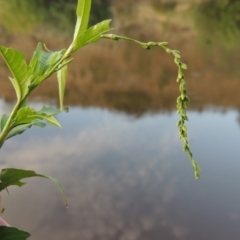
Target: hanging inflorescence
182,100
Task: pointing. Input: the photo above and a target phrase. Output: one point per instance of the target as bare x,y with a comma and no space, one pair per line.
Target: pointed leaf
43,62
16,63
62,77
49,110
83,11
12,177
10,233
22,128
28,115
92,34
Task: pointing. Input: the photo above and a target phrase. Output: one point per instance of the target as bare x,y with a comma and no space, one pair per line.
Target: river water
119,156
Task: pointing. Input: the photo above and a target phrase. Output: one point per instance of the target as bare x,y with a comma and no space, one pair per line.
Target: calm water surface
128,178
118,155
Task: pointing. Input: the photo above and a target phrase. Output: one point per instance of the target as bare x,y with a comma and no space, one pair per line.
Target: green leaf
92,34
83,11
16,63
62,77
10,233
46,113
42,63
22,128
28,115
49,111
13,177
3,121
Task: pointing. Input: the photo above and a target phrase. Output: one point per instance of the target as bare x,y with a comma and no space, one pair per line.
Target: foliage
11,177
44,63
33,12
29,14
10,233
164,6
218,21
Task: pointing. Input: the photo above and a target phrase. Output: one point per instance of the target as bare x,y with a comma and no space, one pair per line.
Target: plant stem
147,45
7,126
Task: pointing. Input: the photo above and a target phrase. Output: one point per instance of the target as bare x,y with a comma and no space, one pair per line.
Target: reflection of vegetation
165,78
28,14
152,91
164,6
219,22
132,101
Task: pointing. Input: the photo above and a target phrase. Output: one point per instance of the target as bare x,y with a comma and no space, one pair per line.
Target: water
119,156
127,178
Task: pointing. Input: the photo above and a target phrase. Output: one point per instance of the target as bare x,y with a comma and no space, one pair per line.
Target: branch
182,100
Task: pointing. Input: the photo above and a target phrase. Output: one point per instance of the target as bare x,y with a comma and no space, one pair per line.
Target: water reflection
138,85
127,178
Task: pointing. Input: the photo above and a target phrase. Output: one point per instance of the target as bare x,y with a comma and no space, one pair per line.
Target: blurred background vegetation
205,31
25,15
214,20
218,21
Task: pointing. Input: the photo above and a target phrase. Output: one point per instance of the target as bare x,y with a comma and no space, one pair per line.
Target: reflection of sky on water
127,178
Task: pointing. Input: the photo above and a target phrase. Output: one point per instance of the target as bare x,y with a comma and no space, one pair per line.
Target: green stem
147,45
7,126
